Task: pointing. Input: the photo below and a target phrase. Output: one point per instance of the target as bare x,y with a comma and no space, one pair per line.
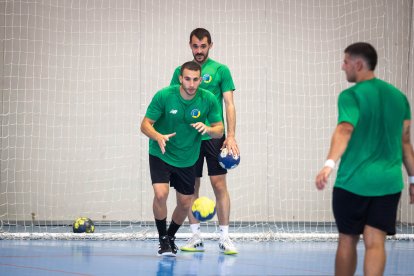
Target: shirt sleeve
348,108
227,83
155,108
176,76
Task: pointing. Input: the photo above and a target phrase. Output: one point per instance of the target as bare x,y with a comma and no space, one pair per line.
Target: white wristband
329,163
411,179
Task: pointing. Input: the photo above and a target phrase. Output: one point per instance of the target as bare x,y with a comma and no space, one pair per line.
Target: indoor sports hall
77,77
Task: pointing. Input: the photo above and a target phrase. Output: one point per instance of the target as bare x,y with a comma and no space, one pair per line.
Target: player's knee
220,188
348,241
374,243
373,237
161,197
185,202
218,182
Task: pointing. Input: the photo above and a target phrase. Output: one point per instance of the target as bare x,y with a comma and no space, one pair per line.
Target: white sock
224,231
195,228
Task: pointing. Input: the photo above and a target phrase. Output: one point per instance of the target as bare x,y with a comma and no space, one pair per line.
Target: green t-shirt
372,162
216,78
172,113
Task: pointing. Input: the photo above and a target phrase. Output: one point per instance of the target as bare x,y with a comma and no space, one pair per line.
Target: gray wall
77,77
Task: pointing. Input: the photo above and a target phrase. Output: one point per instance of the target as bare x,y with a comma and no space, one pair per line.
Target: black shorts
210,149
182,179
352,212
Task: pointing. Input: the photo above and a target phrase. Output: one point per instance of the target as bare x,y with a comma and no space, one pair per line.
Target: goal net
77,76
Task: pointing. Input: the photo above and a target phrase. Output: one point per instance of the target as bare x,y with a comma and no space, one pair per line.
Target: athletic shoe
227,246
194,244
174,247
164,248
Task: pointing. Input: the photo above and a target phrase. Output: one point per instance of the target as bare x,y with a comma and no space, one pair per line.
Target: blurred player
372,139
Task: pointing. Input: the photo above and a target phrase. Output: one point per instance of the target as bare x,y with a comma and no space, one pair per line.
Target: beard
200,58
189,91
350,77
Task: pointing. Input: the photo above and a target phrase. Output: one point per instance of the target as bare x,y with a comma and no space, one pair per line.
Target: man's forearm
216,130
339,142
231,120
148,129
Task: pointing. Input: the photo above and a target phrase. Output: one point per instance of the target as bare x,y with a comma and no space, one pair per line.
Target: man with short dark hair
174,122
372,139
216,78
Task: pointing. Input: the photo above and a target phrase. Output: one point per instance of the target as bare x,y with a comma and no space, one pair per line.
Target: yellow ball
203,208
83,225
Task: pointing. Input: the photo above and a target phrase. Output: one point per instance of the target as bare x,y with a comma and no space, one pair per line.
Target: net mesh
77,76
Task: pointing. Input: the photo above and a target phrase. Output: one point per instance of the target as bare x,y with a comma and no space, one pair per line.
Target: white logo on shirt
173,111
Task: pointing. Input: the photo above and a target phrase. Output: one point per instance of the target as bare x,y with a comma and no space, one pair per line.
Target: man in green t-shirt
372,139
174,122
216,78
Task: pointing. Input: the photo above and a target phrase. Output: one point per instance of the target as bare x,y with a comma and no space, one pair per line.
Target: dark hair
201,33
365,51
190,65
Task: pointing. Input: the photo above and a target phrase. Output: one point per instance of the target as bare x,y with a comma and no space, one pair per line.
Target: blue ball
227,160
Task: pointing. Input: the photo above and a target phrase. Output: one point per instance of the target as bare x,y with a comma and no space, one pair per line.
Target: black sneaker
165,247
174,248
